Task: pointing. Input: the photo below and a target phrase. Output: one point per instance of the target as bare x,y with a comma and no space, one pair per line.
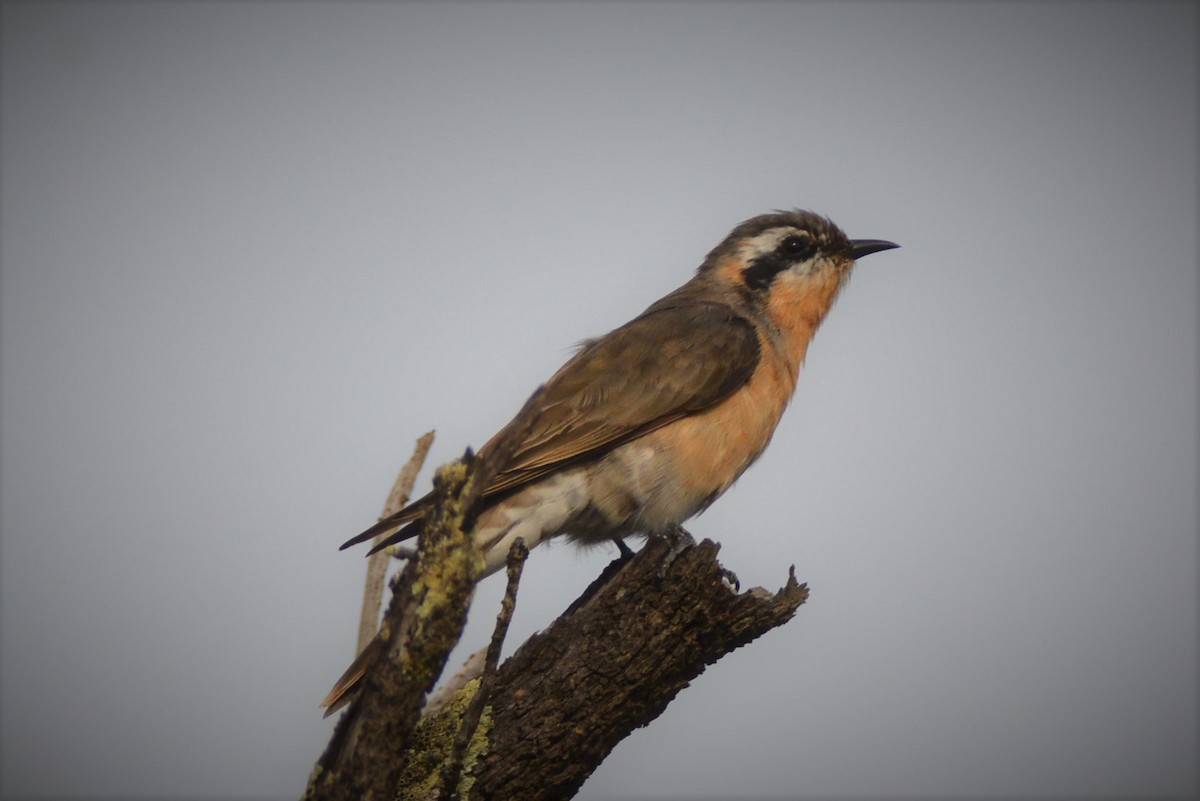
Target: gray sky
252,251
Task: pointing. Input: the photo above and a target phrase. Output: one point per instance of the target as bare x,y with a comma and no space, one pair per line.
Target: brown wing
669,362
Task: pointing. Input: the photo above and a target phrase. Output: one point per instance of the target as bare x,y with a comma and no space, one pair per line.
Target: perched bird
647,425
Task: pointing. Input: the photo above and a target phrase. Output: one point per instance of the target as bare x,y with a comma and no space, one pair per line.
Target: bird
644,427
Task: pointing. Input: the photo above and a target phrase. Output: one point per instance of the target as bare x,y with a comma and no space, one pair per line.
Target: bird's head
787,246
788,266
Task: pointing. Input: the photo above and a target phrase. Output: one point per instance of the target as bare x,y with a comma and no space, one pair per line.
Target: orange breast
710,450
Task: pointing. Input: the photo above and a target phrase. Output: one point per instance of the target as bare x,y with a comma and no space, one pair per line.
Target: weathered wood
425,618
538,726
612,664
368,623
393,675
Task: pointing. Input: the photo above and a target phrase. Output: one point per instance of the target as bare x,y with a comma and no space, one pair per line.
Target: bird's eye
796,246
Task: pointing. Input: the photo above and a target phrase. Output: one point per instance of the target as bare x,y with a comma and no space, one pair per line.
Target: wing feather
672,361
664,365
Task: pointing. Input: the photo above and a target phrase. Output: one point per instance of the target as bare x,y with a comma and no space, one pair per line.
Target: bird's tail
407,520
348,684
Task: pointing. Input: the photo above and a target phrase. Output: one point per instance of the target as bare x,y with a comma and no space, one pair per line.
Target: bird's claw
627,553
402,552
680,540
730,579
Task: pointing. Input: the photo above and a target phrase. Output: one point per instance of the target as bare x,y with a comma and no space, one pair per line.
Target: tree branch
536,727
369,749
368,621
430,597
469,725
612,664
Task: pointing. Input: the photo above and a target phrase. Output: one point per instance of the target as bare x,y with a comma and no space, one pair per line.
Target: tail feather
347,685
413,529
414,511
408,520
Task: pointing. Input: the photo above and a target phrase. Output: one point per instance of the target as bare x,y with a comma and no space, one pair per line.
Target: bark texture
370,746
539,724
555,709
611,664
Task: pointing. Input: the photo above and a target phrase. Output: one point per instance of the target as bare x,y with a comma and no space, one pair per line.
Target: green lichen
449,562
476,750
432,747
315,777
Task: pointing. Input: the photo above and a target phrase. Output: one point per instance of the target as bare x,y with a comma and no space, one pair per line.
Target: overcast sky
252,251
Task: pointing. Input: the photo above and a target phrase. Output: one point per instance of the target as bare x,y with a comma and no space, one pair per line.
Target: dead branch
537,726
468,727
369,749
368,622
612,664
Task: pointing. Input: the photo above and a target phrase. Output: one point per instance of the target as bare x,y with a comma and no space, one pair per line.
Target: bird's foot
627,553
402,552
680,541
730,580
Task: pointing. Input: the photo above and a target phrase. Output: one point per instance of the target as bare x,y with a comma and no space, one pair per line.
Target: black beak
865,247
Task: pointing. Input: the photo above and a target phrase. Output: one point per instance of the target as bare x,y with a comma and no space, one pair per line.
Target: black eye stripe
791,249
761,271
